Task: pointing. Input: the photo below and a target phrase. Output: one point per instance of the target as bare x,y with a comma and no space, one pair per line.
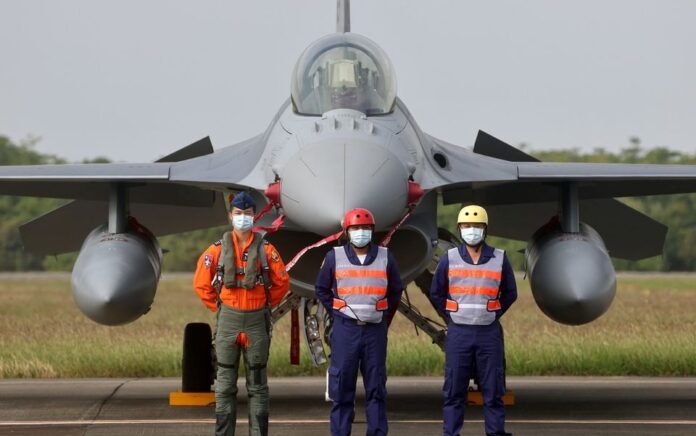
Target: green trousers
230,323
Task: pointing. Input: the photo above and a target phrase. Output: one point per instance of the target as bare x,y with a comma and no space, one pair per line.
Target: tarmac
544,406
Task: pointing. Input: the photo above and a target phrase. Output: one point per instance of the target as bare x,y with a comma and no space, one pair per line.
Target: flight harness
250,280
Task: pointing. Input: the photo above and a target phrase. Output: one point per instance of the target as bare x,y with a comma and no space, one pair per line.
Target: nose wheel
198,362
198,367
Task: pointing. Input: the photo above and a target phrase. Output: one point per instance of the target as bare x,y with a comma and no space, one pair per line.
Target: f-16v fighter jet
342,140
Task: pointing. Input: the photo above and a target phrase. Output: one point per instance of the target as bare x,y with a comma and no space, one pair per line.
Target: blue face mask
360,238
472,236
242,222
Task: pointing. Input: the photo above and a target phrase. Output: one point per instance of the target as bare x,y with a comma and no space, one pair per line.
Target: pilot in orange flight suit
247,269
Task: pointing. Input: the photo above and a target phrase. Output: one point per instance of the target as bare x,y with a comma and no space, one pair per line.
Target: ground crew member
474,284
359,283
251,278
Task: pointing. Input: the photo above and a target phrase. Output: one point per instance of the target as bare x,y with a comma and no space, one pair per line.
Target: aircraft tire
197,361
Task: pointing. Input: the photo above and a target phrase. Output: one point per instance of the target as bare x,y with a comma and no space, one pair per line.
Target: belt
241,311
348,320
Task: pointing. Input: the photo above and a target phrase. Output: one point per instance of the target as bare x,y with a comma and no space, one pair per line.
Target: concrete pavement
545,406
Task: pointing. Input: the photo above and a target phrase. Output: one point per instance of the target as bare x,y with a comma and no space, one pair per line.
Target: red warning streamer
275,225
388,236
415,194
273,195
324,241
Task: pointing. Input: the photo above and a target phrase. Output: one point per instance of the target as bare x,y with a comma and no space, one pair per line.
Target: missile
571,275
116,274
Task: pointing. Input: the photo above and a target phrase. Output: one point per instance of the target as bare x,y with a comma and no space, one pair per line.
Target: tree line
676,211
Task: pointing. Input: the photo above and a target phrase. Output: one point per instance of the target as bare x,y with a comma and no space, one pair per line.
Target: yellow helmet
473,214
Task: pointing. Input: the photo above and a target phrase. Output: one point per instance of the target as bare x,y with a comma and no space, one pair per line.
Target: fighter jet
344,139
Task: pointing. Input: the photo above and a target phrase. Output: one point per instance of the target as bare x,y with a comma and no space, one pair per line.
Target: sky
135,80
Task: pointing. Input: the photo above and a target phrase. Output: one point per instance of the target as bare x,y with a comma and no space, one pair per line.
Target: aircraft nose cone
327,179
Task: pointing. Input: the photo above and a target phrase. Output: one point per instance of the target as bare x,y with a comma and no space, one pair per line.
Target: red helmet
358,217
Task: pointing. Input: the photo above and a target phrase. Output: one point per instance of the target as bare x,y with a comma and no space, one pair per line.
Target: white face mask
242,222
360,238
472,235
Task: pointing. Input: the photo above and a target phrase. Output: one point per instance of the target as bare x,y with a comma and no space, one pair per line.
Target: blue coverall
358,345
474,345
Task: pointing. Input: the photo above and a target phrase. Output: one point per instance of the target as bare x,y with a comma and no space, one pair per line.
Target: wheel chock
476,399
179,398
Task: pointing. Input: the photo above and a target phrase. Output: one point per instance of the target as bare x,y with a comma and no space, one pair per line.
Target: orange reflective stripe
382,305
362,290
475,273
451,306
473,290
493,305
338,304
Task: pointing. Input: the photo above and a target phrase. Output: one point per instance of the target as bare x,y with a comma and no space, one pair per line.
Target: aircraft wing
167,181
523,203
178,193
618,224
83,181
532,181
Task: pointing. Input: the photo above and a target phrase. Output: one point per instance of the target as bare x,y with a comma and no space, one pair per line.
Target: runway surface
545,406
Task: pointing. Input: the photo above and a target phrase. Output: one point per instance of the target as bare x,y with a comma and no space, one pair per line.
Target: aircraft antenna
343,16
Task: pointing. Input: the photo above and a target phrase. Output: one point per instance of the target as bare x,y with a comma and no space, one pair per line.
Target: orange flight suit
240,298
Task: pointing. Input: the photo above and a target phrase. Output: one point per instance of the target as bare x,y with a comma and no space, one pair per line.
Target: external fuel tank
571,275
116,274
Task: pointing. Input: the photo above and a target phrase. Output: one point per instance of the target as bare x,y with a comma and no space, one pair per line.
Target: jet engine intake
410,245
116,274
571,275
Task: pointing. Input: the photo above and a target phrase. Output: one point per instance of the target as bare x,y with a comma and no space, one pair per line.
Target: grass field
649,330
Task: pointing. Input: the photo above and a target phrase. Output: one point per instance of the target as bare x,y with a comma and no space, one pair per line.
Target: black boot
224,425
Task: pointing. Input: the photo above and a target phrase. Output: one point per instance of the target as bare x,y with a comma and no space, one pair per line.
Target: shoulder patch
218,242
275,257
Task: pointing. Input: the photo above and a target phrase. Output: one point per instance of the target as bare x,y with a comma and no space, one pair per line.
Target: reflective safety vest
473,289
361,289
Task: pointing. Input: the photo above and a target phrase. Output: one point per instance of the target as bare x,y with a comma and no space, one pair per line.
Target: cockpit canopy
343,71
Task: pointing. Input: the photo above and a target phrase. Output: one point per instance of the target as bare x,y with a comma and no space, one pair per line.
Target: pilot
359,283
241,277
474,285
345,86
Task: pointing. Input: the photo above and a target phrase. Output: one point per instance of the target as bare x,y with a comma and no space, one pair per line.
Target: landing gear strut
434,329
